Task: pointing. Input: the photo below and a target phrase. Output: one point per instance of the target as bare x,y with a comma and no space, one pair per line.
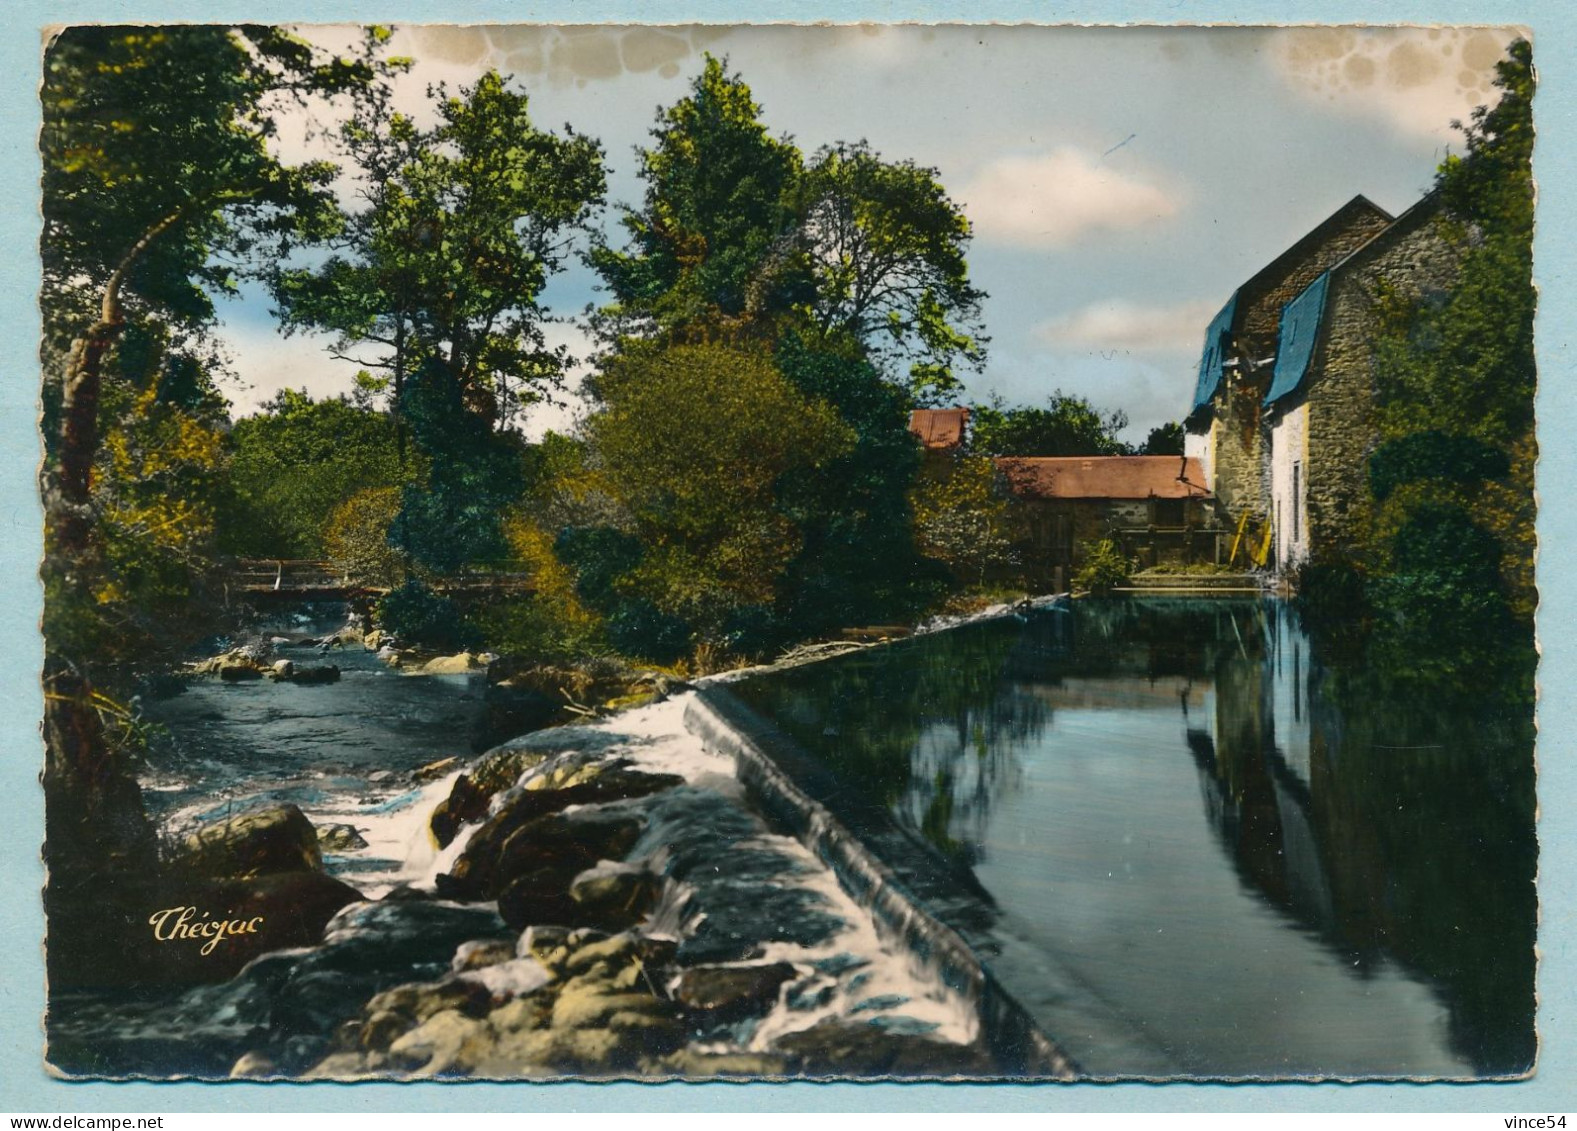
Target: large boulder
473,790
508,710
209,932
731,992
255,843
614,898
843,1048
567,842
458,664
529,804
315,674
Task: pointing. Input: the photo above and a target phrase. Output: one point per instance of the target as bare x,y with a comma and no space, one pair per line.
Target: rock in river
275,839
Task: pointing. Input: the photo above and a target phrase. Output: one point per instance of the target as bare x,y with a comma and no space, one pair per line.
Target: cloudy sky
1121,181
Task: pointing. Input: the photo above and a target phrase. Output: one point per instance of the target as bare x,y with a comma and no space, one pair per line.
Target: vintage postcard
929,552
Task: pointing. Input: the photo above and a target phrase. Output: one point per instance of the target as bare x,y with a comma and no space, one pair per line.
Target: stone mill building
1282,420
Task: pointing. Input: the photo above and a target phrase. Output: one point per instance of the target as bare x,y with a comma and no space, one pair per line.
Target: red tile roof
1103,477
939,428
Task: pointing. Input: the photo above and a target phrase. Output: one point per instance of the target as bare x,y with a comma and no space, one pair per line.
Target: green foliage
693,441
1165,440
416,615
961,519
158,472
463,227
1418,456
714,236
639,628
599,555
1442,541
1068,426
1452,538
740,239
294,463
885,247
858,562
1104,567
476,473
164,131
356,538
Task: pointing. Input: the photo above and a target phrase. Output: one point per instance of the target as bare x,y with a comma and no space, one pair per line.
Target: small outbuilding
1156,508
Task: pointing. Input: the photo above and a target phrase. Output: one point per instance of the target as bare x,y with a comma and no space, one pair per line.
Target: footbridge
302,579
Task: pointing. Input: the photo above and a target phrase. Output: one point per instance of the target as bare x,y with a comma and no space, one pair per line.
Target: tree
886,248
714,242
294,463
1456,370
460,229
1068,426
159,176
858,562
129,218
738,239
695,440
356,538
453,516
961,519
1164,440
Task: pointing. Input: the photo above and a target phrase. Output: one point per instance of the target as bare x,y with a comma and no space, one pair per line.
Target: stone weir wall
938,912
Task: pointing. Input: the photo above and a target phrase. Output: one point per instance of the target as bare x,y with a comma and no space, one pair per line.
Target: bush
1104,567
417,615
599,555
357,538
751,630
640,628
1433,455
537,627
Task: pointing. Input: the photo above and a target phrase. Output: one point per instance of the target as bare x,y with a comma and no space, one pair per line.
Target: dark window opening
1166,512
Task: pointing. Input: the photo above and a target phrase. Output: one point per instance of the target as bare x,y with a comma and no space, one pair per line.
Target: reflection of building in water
1253,745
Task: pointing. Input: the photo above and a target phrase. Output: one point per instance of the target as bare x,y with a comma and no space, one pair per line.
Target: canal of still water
1210,849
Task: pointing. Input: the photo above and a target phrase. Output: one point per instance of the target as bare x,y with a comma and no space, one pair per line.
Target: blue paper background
25,1086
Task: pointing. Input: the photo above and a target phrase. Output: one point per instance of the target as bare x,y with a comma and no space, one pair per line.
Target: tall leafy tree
696,441
739,236
714,241
159,178
1068,426
885,247
459,230
1448,553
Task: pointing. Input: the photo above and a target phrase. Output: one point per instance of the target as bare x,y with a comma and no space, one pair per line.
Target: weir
935,909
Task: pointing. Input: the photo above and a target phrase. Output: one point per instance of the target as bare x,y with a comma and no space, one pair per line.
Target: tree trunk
93,807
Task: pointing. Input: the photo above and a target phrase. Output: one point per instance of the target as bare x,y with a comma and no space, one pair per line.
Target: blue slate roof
1300,329
1211,360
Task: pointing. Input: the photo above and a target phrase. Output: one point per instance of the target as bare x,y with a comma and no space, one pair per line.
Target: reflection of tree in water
1411,837
929,727
1390,820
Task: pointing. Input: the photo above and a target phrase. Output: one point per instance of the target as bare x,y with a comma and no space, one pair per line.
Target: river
342,751
1212,850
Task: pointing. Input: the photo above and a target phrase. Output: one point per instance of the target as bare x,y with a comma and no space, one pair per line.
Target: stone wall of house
1241,435
1238,439
1420,257
1260,323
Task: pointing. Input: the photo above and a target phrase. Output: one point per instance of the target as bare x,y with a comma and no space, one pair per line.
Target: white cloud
266,361
1417,79
1116,324
1057,197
